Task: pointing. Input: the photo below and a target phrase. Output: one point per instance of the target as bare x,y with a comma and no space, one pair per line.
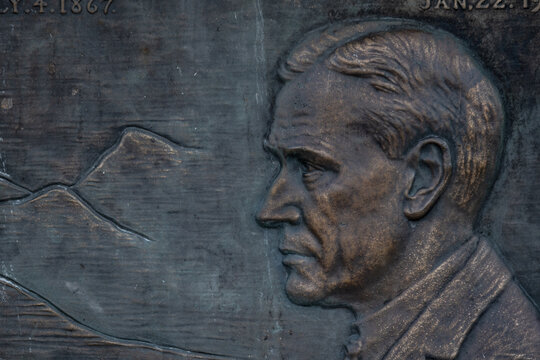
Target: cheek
369,218
322,221
365,190
356,216
372,250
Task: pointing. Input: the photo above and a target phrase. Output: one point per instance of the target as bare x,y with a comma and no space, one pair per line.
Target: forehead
317,106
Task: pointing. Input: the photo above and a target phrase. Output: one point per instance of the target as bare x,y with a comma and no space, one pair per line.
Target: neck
425,247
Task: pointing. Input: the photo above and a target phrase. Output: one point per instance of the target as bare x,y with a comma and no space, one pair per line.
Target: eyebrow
316,156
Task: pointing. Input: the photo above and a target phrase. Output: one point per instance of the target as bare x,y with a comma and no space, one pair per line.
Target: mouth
291,257
286,251
294,259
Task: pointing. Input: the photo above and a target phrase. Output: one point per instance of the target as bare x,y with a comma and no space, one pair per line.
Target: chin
304,292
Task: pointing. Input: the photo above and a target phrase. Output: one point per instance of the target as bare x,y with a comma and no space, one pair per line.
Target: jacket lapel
442,327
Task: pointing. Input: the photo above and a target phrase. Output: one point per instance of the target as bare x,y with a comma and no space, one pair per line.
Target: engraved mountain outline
10,191
71,223
54,329
130,140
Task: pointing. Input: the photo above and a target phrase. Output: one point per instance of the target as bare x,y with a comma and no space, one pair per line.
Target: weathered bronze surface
159,161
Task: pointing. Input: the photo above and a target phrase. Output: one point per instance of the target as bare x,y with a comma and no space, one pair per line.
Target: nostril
269,223
291,215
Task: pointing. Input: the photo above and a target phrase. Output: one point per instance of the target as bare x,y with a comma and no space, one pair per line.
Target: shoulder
508,329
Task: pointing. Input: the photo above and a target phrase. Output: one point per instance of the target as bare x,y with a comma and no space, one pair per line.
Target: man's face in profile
338,195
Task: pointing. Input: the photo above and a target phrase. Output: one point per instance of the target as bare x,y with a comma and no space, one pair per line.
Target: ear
430,166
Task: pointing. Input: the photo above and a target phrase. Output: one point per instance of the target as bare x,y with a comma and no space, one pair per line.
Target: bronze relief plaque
269,179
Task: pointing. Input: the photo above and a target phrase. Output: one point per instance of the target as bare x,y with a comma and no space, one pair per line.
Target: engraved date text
531,5
56,6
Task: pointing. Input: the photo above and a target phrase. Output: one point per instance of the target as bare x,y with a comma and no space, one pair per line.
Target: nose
281,204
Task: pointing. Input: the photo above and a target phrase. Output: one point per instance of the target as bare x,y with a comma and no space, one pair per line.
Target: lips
288,251
295,259
298,242
292,256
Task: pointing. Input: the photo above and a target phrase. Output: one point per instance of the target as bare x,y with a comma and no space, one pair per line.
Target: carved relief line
15,194
70,192
39,307
173,146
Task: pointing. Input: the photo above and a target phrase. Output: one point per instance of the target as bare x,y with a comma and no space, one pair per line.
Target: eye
311,172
